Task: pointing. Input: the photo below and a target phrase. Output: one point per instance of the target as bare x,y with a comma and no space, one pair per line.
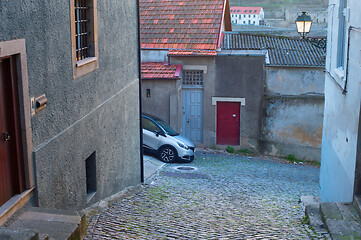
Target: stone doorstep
49,223
341,220
312,210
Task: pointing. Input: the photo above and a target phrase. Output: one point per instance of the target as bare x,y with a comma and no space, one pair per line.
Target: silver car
160,138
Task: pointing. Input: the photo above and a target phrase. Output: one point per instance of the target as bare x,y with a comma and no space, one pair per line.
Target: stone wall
293,112
97,113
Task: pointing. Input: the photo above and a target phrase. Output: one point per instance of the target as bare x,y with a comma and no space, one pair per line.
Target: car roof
152,116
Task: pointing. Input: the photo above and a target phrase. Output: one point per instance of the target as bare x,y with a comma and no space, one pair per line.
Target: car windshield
167,128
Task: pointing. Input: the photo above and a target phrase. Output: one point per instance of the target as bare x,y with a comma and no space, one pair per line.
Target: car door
151,139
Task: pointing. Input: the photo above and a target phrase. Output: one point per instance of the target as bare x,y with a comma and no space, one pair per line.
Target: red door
11,167
228,123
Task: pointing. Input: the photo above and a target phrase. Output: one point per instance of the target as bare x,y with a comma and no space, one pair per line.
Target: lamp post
303,23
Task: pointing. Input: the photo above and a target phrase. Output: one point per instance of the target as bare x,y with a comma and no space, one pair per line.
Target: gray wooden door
192,117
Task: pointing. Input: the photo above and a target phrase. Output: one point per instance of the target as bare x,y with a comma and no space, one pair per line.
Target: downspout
140,99
351,28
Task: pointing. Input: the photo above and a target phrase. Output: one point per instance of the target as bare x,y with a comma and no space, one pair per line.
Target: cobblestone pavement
225,197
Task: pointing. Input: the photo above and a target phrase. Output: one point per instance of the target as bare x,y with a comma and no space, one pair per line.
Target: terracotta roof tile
245,10
181,24
191,53
160,70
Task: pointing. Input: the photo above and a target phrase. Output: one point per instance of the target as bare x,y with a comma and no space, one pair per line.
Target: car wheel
168,154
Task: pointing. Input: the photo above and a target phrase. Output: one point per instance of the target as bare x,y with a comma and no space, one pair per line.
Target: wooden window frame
91,63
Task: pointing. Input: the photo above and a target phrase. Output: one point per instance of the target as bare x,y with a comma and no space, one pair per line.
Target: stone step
341,220
357,203
51,224
18,234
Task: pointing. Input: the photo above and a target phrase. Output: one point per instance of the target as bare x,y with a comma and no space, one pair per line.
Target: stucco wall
294,81
163,101
243,77
97,112
294,101
342,111
293,126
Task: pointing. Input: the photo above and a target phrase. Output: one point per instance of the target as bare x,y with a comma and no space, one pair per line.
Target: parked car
161,139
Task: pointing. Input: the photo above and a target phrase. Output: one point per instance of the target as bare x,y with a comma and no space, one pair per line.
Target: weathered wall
208,92
242,77
163,101
342,111
293,118
294,81
97,112
293,126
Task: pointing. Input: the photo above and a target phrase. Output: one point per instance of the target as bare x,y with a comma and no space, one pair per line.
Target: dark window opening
91,179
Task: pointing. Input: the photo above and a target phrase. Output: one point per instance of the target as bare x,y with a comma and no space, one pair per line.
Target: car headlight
182,145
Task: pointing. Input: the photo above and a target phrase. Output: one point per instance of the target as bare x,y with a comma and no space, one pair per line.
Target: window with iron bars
192,78
82,29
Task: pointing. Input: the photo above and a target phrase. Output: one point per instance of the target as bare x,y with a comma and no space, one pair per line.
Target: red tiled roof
160,70
182,24
245,10
191,53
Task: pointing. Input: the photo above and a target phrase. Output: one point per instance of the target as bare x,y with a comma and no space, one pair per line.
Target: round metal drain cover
185,168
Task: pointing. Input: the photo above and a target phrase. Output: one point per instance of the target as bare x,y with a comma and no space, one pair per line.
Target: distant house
69,103
289,116
186,33
340,177
247,15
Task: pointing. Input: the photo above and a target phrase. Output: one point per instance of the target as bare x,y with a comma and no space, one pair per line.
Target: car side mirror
156,132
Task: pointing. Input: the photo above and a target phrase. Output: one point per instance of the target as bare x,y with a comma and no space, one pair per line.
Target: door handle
6,136
188,120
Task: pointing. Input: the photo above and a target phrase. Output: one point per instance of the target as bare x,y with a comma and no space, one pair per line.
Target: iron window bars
192,78
81,28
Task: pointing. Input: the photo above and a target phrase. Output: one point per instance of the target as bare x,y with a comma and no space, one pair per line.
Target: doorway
193,114
357,185
228,123
12,177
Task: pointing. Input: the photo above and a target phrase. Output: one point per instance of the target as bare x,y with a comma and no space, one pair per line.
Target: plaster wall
97,112
208,64
294,81
243,77
293,126
154,56
163,102
294,104
341,117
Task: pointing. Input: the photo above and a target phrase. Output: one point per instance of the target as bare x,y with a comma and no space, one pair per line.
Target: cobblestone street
224,197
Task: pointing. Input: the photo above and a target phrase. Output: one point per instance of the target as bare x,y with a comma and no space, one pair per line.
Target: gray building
293,91
69,102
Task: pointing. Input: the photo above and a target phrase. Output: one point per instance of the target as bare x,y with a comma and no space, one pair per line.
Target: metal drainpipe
351,28
140,98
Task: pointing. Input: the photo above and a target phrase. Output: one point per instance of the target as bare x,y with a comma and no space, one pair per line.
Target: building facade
247,15
291,93
340,177
69,102
187,34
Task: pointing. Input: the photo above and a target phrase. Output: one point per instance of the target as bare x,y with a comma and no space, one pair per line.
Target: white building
247,15
340,177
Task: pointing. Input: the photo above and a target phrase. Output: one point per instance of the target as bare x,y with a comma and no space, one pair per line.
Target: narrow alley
221,196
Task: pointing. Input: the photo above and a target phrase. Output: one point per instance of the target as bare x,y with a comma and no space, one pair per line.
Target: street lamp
303,23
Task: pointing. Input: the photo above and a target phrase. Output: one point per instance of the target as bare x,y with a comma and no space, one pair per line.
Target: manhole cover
185,168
